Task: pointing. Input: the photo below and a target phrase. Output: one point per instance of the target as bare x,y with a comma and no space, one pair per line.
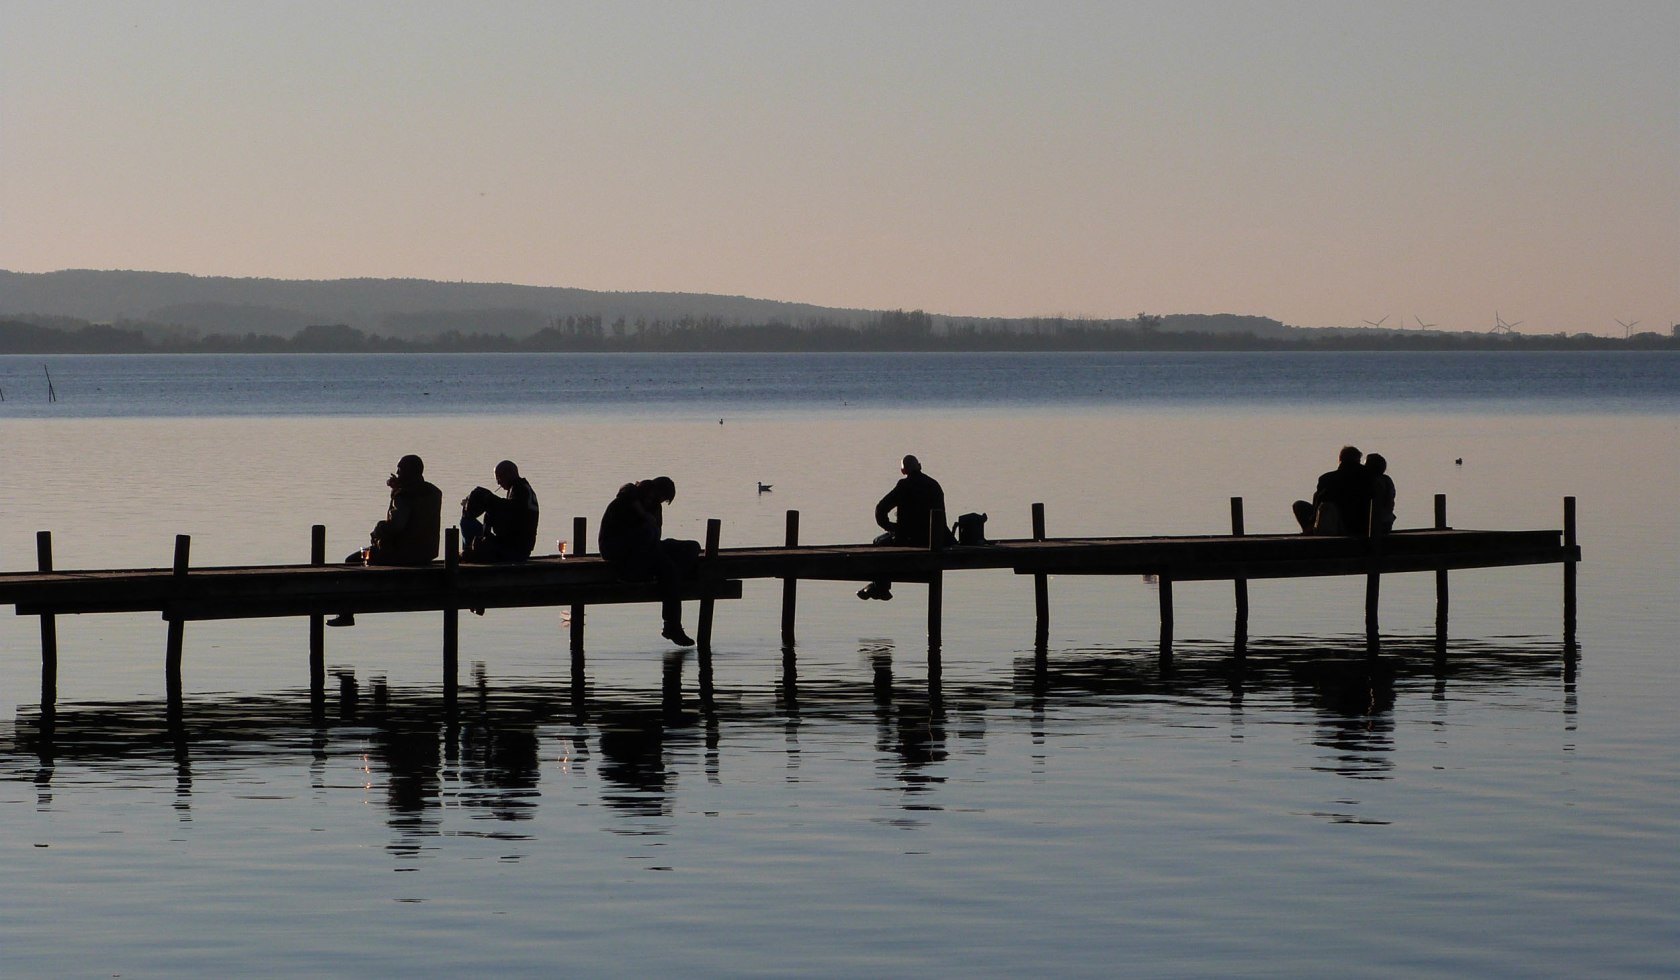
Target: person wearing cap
409,533
916,499
499,529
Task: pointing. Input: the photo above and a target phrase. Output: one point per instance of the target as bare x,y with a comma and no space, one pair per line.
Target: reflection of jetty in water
486,754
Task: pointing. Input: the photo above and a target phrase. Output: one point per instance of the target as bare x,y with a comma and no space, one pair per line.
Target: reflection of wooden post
317,633
1440,582
790,585
1164,586
451,613
1041,585
177,628
49,628
714,529
580,547
1240,633
1373,583
1569,576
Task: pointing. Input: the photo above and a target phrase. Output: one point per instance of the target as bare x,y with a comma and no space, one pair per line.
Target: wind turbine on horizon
1421,324
1627,328
1376,323
1500,326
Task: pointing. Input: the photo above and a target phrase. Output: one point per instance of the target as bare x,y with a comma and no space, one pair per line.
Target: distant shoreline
20,337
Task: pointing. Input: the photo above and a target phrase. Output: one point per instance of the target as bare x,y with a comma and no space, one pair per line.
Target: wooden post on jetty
790,585
451,614
1239,645
703,640
1041,587
1373,584
317,622
1163,582
580,547
177,626
1569,622
1440,582
49,628
936,587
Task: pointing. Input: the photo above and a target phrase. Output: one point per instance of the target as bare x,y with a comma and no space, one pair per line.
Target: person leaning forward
916,499
500,529
629,539
409,533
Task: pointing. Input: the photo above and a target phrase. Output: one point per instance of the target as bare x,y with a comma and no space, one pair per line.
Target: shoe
342,619
674,633
872,591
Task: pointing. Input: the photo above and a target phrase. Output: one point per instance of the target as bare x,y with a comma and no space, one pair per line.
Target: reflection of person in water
633,764
499,529
630,539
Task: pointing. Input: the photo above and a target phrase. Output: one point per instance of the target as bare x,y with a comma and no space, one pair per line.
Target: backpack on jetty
970,529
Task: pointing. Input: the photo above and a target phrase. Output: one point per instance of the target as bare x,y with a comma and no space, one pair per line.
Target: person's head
1349,456
661,489
410,469
506,473
910,465
1376,464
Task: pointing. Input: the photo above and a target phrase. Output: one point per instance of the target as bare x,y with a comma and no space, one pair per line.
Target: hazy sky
1323,163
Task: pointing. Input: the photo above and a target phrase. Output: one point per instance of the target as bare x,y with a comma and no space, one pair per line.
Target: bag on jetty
970,529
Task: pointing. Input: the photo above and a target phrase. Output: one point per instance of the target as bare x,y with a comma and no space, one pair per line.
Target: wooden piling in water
1041,586
936,585
580,547
1239,639
49,626
790,585
177,626
317,622
451,614
1164,583
1569,562
703,639
1441,593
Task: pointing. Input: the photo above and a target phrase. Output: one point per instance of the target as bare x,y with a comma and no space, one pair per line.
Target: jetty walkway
181,593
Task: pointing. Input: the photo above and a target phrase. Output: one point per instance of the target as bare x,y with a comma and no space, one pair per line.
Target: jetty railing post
49,628
936,586
790,585
1440,582
580,547
1569,542
317,622
177,626
1164,585
1041,586
451,613
1373,584
703,640
1240,633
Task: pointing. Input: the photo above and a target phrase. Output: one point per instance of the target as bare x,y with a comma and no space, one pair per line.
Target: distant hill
419,308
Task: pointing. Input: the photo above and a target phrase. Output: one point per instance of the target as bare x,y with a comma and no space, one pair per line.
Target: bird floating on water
1459,461
764,488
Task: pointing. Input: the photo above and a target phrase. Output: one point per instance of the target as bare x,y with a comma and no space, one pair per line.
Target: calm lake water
845,811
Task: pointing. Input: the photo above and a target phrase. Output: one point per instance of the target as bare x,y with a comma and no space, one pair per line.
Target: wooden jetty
182,593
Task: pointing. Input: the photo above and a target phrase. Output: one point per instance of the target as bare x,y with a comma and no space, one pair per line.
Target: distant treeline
892,331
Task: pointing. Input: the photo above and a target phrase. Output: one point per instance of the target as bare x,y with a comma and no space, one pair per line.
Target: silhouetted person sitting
409,533
1342,502
1382,494
629,538
508,529
916,498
